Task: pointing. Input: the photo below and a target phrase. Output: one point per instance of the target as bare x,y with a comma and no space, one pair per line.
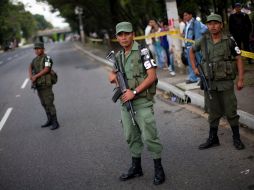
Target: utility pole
79,12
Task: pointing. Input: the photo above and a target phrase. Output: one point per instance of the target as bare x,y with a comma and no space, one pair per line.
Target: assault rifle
33,86
122,84
204,85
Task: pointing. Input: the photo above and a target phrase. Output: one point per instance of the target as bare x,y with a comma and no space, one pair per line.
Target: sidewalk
190,93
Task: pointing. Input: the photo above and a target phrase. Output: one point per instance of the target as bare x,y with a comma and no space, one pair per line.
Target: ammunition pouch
148,93
44,80
221,70
136,74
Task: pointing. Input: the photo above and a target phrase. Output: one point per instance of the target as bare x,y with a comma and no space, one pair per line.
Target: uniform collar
134,46
223,36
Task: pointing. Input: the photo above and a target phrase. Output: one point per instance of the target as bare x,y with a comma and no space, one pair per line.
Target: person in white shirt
148,31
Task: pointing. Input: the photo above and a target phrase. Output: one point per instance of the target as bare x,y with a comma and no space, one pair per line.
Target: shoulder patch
235,46
48,61
146,58
145,52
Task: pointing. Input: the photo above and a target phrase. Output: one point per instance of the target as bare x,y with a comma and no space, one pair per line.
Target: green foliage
16,23
41,23
101,15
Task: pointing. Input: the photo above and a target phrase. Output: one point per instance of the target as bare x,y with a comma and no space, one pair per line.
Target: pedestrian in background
148,31
193,30
181,28
160,54
166,44
240,28
40,75
142,79
218,51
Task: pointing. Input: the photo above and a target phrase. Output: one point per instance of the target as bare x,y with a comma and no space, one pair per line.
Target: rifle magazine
117,94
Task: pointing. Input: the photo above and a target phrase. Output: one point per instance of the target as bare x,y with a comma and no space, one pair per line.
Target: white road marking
24,83
4,119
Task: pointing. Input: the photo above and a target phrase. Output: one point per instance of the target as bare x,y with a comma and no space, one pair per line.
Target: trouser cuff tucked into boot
48,122
55,123
212,141
236,138
159,175
134,171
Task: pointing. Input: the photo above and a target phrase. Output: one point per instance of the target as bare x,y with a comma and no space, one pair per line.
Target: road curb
172,89
246,119
196,99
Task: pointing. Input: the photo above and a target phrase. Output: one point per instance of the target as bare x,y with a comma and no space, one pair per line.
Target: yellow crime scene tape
176,34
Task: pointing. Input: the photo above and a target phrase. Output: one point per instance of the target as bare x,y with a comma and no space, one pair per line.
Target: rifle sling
207,64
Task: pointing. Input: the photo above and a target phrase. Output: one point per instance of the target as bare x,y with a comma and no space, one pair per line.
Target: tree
101,14
15,22
41,23
205,7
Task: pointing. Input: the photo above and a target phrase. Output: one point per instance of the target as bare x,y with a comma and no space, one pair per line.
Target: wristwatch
134,92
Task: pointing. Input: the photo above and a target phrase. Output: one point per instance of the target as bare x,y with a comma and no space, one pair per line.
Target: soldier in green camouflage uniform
218,64
141,76
39,73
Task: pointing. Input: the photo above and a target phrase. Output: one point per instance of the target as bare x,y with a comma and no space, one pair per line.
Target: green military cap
124,27
39,45
214,17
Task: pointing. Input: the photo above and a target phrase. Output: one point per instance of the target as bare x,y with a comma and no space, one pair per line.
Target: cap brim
124,30
213,20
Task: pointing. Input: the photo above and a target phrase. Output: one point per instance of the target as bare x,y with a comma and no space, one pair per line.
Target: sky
44,9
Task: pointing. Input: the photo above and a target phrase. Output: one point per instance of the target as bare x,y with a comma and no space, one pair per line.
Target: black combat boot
134,171
159,175
49,121
212,141
55,123
236,138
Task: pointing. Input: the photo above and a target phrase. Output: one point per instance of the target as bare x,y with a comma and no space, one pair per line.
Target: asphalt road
88,151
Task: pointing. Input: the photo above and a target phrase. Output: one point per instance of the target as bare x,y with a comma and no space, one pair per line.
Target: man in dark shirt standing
240,27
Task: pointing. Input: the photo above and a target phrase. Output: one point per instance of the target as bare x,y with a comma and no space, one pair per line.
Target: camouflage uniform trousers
46,96
223,103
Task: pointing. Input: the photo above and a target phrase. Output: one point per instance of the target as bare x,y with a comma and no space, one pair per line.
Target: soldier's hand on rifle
196,71
33,78
128,95
112,77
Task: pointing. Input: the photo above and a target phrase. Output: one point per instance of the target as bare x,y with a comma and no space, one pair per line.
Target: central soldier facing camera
140,72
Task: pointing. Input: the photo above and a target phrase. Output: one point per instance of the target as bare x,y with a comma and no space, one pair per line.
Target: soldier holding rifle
40,75
140,73
220,70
